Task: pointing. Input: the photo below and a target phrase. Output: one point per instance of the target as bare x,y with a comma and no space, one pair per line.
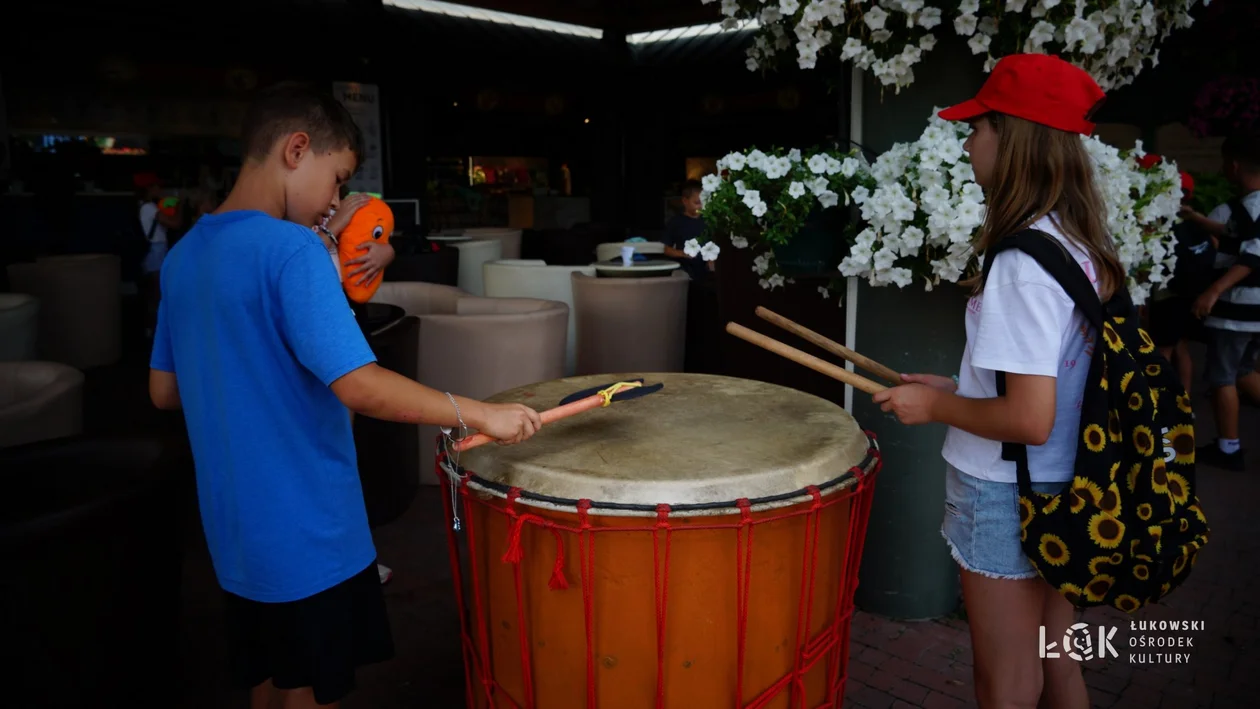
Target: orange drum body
694,548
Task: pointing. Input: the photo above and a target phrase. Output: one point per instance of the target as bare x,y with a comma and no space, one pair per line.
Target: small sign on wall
363,102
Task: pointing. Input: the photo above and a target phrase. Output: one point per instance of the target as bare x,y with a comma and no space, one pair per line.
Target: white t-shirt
1025,323
157,241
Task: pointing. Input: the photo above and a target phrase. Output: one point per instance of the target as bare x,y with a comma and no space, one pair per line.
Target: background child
684,227
1172,325
155,225
258,346
1230,306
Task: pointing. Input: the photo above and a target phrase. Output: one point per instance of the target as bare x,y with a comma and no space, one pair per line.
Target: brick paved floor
928,664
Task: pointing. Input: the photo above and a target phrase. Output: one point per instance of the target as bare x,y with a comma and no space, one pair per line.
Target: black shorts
1231,355
1171,321
315,642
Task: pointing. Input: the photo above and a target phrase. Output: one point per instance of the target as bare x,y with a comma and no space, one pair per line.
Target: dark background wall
450,88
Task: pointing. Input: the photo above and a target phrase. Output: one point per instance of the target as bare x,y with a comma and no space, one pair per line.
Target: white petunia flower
739,242
761,264
796,190
875,18
710,251
691,247
965,25
929,18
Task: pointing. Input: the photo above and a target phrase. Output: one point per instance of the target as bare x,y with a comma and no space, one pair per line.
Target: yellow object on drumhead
694,547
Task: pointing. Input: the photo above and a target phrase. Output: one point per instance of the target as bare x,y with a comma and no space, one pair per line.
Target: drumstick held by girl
1026,151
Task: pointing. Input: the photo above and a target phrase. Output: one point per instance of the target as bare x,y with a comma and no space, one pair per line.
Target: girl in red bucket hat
1027,154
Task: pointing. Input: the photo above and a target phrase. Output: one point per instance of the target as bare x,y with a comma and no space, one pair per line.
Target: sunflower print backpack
1128,528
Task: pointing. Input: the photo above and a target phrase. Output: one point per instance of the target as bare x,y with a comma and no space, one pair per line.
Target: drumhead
700,440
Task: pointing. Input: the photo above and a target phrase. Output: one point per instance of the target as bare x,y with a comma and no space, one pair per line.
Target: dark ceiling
625,15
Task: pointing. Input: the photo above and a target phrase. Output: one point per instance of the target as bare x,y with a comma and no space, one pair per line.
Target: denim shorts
981,525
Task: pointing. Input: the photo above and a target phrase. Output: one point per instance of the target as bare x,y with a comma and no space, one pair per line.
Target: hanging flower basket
919,209
1111,39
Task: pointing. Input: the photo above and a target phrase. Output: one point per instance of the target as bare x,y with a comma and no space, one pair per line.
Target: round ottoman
80,307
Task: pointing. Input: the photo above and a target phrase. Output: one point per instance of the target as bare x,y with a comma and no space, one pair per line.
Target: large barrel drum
696,547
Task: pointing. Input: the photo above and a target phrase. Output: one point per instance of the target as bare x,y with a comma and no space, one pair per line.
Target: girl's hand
378,256
935,381
912,404
339,221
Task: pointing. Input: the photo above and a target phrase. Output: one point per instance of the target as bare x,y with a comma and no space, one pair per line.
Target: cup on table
627,255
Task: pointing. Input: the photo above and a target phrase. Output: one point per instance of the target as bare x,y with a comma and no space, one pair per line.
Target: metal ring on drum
697,547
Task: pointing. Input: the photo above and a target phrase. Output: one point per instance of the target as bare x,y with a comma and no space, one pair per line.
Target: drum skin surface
696,547
700,439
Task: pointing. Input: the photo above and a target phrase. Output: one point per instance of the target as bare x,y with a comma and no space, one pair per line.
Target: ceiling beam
619,15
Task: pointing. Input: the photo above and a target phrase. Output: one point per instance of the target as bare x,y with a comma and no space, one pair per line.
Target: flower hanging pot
817,247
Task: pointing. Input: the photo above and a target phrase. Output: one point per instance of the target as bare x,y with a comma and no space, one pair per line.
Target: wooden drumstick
572,408
831,346
808,360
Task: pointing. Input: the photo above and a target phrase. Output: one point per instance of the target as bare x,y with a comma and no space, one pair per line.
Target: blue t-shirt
255,327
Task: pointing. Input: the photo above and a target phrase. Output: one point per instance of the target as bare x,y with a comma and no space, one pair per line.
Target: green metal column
907,571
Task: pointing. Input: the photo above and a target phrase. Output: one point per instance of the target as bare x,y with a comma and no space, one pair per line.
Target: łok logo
1079,644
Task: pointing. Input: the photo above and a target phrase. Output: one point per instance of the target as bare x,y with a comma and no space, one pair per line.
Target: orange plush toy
373,222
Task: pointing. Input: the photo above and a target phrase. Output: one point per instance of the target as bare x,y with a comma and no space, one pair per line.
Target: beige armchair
535,279
19,326
39,401
80,307
472,254
511,238
478,347
630,324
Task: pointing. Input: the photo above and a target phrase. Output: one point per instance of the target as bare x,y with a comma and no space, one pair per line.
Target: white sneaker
385,573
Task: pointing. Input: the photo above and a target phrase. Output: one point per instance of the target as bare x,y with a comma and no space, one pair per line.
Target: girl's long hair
1039,171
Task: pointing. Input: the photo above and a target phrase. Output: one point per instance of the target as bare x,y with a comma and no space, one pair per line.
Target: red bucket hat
1039,88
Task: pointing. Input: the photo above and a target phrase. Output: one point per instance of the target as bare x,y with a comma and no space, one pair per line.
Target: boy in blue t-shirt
257,344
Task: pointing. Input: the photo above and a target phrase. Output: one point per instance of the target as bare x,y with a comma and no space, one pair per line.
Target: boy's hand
378,256
510,423
912,404
339,221
1204,303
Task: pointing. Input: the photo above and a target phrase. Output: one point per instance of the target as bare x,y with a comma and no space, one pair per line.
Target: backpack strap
1050,254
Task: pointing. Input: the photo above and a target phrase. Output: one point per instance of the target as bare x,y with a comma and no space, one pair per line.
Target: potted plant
918,209
790,208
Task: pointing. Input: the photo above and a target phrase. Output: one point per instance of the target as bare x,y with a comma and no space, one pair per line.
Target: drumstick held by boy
258,345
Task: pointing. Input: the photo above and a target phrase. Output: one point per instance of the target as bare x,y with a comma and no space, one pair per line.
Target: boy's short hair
291,107
1245,148
691,187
